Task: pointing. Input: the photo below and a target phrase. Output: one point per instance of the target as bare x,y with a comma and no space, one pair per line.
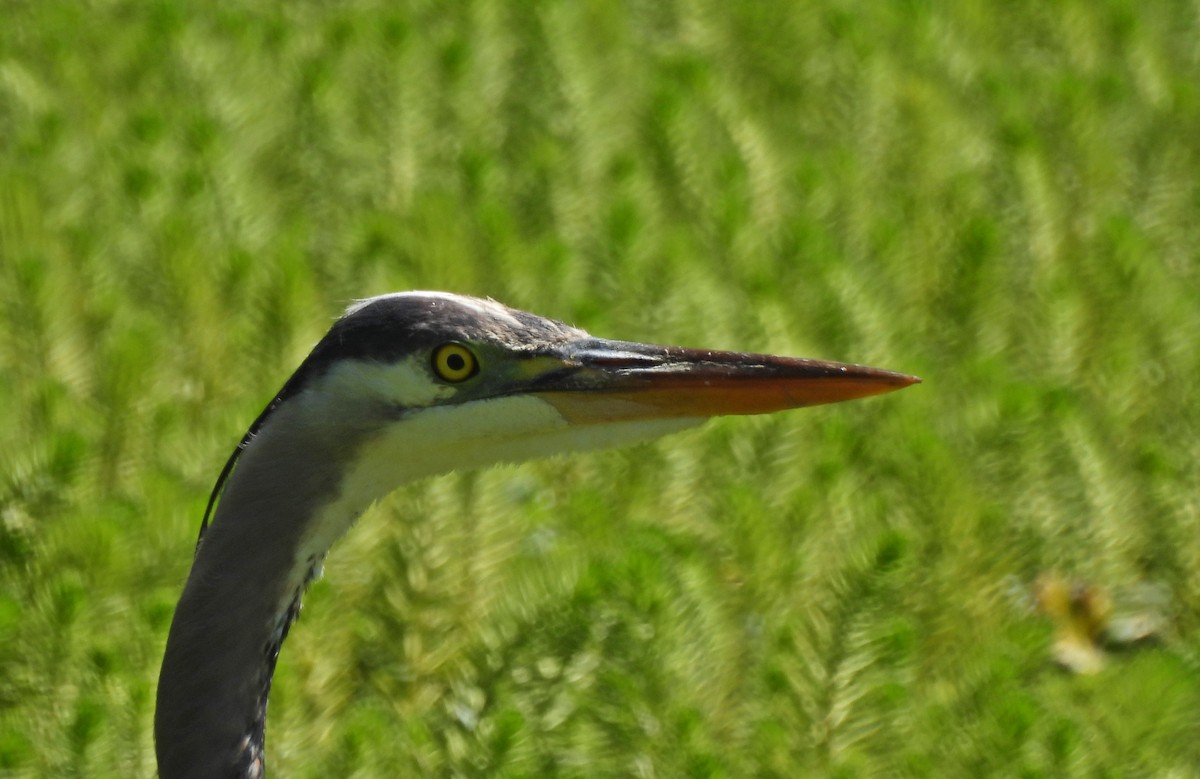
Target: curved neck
315,464
241,596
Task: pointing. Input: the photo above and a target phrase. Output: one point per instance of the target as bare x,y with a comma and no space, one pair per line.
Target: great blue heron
405,386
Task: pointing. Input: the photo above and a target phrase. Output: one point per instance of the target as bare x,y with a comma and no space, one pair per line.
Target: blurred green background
1003,198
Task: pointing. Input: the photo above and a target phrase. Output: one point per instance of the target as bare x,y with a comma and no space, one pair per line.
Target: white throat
441,439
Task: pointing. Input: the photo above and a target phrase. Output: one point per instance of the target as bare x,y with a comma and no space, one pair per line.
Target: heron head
414,384
442,382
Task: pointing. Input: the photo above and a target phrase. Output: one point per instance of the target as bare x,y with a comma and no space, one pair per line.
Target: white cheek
407,383
425,443
448,438
481,433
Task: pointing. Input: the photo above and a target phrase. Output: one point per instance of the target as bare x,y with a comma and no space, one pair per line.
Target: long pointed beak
608,381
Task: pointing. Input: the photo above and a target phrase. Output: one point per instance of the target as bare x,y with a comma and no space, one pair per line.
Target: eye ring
454,363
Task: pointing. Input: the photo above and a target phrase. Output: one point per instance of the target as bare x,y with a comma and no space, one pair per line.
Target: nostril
619,360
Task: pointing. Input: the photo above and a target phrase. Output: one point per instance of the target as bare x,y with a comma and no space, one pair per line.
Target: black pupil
455,362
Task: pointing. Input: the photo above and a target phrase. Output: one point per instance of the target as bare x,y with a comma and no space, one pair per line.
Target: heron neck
241,597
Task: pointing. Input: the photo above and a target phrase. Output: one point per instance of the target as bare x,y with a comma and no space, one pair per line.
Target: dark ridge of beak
615,380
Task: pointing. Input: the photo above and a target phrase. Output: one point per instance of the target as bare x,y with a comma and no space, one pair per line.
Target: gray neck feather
241,596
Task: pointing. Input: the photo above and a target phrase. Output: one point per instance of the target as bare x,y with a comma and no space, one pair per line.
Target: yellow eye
454,363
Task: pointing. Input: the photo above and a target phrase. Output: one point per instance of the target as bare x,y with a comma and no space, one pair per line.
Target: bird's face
445,382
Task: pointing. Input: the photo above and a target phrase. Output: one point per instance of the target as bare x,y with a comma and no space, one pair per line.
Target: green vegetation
1001,197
